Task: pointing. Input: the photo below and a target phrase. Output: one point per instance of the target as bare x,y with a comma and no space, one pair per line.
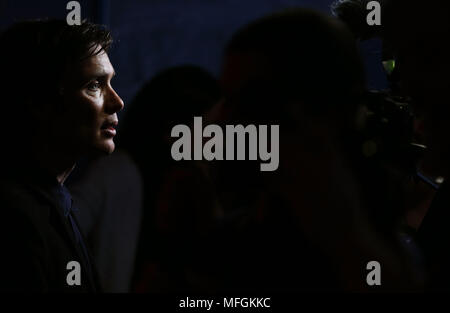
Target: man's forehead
97,65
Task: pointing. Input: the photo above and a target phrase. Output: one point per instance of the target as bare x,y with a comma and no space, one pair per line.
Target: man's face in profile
89,117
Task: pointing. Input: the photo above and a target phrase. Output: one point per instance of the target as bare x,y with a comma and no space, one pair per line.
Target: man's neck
55,162
61,178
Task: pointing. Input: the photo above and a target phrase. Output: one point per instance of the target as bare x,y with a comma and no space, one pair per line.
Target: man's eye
93,86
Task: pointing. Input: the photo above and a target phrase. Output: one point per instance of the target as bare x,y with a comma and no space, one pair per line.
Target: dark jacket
37,240
433,238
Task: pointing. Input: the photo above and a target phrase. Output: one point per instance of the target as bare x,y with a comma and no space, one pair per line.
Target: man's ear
44,109
58,101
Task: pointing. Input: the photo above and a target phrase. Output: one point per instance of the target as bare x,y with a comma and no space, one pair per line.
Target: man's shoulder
20,203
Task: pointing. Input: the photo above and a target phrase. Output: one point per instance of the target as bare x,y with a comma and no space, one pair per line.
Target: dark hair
354,14
36,53
34,56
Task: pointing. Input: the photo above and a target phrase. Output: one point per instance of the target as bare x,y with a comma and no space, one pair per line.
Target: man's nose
114,102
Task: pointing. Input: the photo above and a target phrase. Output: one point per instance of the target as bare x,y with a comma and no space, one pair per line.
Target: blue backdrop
154,34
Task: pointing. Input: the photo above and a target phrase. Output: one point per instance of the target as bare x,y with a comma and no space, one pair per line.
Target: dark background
152,35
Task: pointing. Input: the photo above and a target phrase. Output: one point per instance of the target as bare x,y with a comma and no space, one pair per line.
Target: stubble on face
90,106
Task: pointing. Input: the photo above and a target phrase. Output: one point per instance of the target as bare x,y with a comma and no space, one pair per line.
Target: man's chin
105,147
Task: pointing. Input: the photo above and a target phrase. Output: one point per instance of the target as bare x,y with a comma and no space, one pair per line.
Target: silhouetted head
297,56
354,14
298,69
173,96
56,89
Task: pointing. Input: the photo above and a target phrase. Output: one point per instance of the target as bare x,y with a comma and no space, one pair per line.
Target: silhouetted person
393,183
57,106
419,32
303,226
178,196
108,193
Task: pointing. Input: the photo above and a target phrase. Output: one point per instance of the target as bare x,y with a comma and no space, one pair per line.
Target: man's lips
109,127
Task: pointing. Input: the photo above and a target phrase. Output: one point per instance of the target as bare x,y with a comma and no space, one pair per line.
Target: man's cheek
85,134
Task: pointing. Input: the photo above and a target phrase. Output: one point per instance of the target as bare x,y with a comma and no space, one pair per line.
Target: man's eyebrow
103,74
